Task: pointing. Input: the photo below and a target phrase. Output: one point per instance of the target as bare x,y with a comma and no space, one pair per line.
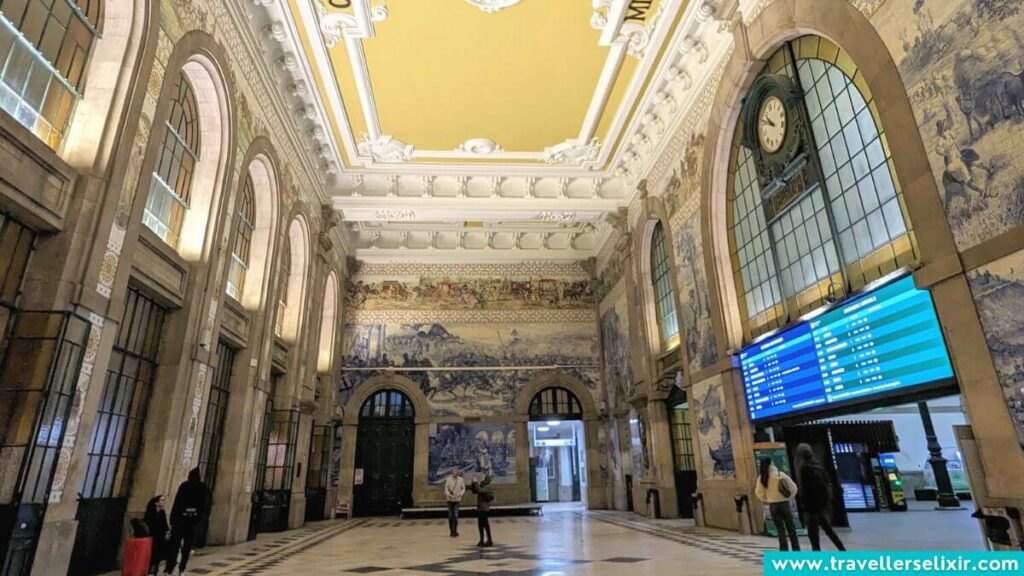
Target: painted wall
998,290
962,62
682,199
471,337
490,362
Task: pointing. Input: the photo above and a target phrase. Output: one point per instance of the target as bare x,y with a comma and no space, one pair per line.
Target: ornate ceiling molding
492,6
385,149
335,26
480,147
572,152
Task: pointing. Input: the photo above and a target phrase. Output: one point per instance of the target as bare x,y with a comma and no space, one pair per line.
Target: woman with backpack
815,498
484,497
775,489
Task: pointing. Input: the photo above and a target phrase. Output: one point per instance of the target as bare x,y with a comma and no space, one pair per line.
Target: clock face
771,124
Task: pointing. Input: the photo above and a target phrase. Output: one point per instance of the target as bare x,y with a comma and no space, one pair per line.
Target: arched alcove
263,181
328,325
109,76
843,25
291,300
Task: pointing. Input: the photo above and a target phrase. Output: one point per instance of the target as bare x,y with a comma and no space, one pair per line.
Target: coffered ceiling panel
513,83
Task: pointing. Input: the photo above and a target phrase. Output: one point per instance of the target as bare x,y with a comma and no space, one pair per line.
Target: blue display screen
885,340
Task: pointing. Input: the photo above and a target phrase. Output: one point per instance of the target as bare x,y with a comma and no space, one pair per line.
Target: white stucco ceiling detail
416,210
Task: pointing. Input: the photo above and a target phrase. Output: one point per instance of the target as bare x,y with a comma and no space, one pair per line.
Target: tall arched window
325,358
282,287
664,294
829,233
171,185
239,265
44,45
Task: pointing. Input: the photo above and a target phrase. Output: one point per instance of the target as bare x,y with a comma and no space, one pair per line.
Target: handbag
784,488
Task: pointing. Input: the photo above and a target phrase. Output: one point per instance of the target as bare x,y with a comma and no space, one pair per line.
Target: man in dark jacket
484,497
190,506
815,498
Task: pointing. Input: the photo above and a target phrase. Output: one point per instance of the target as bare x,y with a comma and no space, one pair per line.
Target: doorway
558,461
684,466
558,452
384,455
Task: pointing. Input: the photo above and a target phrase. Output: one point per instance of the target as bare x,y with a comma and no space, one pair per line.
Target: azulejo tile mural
469,369
443,293
962,62
617,357
682,198
998,290
476,448
713,437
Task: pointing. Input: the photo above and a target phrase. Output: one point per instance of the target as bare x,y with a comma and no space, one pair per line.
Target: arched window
387,404
239,265
282,287
171,185
664,294
325,358
44,45
555,402
841,223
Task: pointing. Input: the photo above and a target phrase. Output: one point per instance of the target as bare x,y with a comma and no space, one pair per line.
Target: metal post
947,498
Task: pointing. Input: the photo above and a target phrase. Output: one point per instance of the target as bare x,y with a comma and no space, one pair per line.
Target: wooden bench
431,510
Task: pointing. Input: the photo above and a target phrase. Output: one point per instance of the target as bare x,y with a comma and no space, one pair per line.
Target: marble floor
558,543
564,541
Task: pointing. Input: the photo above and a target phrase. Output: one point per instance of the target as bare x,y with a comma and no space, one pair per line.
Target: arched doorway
557,446
384,454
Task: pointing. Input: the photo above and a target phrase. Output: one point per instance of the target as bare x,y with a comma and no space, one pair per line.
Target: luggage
137,552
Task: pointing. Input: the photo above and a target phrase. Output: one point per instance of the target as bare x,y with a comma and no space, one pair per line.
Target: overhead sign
554,442
884,341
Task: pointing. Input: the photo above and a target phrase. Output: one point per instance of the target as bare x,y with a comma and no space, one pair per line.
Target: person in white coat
776,489
454,490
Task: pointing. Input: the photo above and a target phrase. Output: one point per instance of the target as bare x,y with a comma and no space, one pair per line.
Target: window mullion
832,229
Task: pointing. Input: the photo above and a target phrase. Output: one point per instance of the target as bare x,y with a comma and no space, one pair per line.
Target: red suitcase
137,552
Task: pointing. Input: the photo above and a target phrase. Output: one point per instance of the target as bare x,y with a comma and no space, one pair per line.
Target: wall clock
772,124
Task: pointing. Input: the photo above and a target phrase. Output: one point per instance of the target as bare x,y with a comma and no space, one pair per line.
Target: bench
432,510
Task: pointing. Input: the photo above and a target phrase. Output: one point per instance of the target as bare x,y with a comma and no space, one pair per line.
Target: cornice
272,42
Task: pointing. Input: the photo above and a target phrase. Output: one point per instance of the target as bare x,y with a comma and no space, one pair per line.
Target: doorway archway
557,444
384,454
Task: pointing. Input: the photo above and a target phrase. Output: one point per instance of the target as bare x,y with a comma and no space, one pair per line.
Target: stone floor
565,541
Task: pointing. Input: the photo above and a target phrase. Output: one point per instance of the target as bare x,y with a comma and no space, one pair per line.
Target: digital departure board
881,342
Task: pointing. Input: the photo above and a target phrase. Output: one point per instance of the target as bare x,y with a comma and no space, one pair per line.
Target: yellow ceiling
443,72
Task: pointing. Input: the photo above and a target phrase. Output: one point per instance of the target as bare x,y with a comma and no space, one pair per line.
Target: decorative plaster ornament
480,146
385,149
572,152
492,6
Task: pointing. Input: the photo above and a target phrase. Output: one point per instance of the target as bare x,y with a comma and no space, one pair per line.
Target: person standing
190,506
484,496
454,490
156,520
815,498
775,489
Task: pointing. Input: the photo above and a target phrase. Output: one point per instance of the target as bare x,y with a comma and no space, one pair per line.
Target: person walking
815,498
454,490
775,489
156,521
190,506
484,496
